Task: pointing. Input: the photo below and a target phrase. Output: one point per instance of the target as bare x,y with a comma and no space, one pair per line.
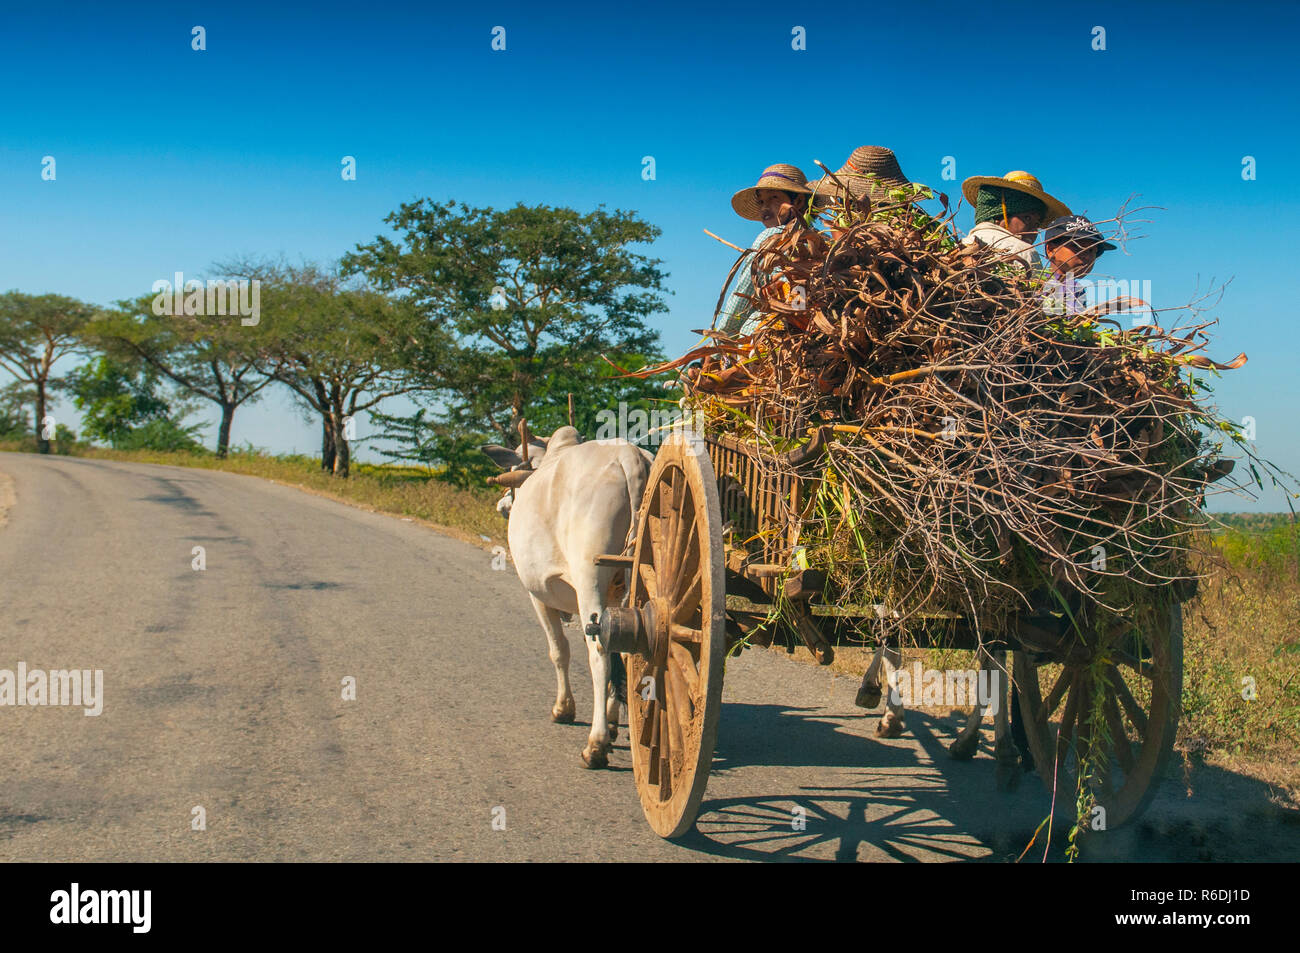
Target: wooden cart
693,595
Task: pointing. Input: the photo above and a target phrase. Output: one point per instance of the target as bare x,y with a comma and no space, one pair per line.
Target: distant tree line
482,318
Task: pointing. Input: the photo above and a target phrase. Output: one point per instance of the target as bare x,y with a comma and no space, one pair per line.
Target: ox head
516,469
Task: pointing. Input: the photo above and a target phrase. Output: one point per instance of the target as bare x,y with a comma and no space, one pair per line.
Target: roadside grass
1240,633
404,491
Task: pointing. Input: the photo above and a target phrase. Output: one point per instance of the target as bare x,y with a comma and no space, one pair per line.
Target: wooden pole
523,436
570,408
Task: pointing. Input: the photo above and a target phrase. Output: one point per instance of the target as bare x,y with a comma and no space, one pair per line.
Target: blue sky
169,159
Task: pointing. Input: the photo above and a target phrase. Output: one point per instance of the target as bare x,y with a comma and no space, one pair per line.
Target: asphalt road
223,690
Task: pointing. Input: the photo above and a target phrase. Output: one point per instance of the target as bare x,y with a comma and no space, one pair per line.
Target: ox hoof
868,696
563,714
613,733
889,727
963,749
595,758
1007,776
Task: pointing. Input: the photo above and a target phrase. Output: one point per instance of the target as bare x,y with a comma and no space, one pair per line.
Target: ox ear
503,457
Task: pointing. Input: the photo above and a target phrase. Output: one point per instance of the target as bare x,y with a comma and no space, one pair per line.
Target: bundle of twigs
984,446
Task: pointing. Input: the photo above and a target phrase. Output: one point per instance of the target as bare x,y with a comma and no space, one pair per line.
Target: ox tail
618,676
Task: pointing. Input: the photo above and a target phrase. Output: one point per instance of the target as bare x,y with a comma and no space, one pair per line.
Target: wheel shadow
906,800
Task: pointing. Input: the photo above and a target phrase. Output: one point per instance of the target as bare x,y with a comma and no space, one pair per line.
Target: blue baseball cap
1075,229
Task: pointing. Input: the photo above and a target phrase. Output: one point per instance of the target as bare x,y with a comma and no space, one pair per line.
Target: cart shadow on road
846,796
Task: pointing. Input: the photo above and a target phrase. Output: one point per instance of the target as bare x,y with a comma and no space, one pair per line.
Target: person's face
1068,258
1025,225
779,206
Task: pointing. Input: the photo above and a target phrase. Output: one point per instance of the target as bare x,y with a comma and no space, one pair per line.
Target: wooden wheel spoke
1134,711
1119,737
649,578
1145,669
682,661
665,759
655,529
683,557
678,710
1053,700
684,633
646,738
1066,731
689,600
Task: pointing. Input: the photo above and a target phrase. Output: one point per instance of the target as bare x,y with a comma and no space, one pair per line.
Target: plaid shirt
738,314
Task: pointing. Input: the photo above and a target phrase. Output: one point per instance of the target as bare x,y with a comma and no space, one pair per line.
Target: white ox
569,503
1010,749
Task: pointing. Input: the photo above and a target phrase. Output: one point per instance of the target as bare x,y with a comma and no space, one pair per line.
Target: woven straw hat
1019,182
786,178
875,161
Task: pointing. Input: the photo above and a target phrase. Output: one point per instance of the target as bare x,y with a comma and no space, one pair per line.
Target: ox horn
512,479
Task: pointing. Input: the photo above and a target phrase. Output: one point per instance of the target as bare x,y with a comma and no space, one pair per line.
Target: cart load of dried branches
984,446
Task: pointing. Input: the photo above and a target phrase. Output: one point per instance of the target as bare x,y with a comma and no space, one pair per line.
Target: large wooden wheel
1118,698
675,679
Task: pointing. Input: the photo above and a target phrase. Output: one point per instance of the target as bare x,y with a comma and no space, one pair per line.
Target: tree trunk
342,456
223,434
326,444
42,442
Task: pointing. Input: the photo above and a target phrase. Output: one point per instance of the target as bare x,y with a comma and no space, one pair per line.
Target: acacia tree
341,347
35,332
531,297
213,357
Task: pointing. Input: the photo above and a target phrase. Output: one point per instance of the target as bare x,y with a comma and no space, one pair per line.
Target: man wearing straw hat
779,198
1008,213
869,174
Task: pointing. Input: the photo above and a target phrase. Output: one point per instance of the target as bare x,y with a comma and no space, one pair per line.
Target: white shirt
995,236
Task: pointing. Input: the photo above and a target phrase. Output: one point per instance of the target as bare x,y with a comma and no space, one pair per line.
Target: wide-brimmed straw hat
871,171
1018,182
782,177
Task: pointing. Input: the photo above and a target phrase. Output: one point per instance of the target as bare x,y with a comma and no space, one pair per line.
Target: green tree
529,299
35,332
121,405
341,346
213,357
13,418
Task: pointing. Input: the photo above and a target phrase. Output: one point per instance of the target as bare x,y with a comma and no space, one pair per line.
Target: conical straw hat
1019,182
786,178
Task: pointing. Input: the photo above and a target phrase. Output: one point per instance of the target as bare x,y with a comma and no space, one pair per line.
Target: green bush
164,434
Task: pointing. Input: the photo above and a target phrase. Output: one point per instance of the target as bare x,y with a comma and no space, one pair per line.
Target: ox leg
968,741
891,722
590,606
1004,746
553,623
993,674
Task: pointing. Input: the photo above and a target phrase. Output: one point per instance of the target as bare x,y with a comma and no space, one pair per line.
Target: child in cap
1073,245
